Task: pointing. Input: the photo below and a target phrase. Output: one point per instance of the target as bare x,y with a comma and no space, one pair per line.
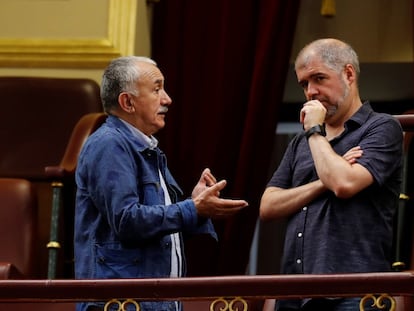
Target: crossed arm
340,174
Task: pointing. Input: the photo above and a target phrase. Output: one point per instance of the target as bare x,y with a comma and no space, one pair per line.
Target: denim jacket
122,225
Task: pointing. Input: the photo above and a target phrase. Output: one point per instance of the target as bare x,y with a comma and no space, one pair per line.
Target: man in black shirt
339,180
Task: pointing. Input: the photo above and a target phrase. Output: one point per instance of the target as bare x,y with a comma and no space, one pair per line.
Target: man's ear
125,102
350,73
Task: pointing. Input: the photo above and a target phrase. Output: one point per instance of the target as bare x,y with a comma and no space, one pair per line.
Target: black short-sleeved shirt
333,235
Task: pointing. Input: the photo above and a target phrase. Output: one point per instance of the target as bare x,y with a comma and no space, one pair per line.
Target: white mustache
163,109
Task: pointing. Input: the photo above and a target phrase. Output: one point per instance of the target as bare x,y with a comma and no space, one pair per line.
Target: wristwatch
319,129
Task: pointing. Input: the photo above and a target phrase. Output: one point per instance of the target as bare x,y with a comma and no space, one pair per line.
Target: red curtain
225,64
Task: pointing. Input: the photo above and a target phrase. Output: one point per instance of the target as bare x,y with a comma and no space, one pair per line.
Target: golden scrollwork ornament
233,305
377,302
121,306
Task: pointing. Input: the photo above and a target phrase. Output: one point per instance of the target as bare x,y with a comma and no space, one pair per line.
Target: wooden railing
217,289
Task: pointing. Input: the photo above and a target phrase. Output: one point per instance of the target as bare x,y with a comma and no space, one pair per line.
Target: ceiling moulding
76,52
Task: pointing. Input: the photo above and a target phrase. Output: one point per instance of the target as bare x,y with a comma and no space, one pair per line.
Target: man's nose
311,91
166,99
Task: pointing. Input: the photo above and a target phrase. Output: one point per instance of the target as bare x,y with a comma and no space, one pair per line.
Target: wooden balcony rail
393,284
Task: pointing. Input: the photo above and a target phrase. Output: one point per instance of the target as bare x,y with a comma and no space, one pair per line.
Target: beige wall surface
53,18
379,30
70,38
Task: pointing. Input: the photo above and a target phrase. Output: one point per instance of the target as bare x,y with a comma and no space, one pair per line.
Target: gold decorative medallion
122,305
378,302
233,305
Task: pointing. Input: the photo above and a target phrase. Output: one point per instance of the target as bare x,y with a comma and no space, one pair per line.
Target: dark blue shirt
333,235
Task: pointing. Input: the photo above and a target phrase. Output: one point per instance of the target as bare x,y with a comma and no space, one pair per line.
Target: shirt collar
362,115
149,141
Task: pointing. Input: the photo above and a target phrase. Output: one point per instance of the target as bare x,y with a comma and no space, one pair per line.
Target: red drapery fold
225,64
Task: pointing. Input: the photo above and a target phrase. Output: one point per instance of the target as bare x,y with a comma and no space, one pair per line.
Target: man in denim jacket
129,218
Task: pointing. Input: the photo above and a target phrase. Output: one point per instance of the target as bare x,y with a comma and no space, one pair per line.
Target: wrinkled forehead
306,58
311,65
149,73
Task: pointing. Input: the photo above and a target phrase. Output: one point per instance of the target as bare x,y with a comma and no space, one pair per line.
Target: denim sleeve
203,226
126,193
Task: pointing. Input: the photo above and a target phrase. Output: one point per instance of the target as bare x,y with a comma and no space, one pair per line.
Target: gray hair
334,53
120,76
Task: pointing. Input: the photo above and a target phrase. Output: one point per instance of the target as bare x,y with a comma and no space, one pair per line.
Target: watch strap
317,129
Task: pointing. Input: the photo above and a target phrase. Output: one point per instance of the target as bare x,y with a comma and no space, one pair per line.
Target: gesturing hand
207,201
206,180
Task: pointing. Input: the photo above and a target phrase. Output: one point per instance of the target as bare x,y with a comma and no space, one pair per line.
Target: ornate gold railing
227,291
